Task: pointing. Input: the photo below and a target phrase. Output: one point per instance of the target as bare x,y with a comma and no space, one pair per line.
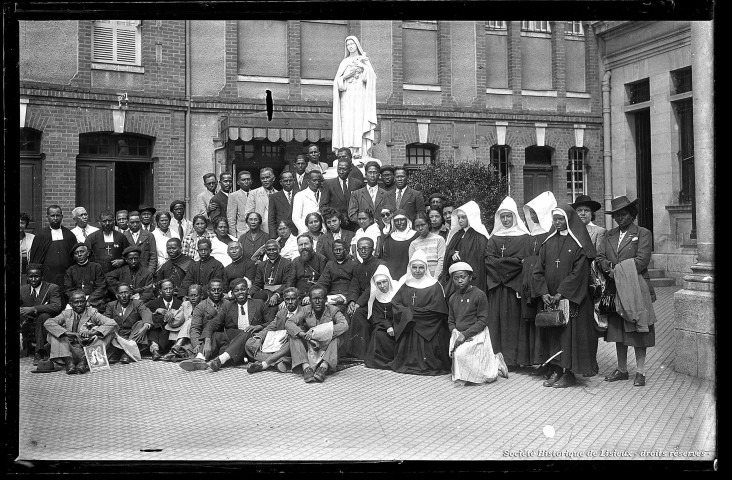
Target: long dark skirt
575,340
417,356
381,350
616,333
505,324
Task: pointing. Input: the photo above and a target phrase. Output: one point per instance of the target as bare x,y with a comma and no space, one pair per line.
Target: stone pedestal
695,331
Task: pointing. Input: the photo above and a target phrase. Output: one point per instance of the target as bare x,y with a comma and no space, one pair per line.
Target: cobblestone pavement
153,411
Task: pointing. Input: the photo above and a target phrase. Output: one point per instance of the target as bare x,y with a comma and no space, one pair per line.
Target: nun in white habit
382,345
466,242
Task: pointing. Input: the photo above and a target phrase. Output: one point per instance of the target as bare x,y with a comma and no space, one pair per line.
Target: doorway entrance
537,171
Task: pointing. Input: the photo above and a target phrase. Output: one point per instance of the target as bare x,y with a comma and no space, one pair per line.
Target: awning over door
297,126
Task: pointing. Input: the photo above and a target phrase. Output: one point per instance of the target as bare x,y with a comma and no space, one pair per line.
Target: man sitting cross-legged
314,336
225,336
164,310
204,312
182,348
81,325
134,320
271,346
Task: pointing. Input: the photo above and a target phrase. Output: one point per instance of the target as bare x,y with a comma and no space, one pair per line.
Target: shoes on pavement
70,367
82,366
283,367
255,367
168,357
616,375
308,375
193,364
554,378
124,359
566,380
215,364
321,372
640,380
156,356
540,371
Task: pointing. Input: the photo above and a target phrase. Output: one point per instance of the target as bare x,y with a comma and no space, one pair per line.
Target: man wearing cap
146,216
70,330
140,279
164,310
39,301
177,266
403,196
240,266
387,181
134,320
86,276
202,203
237,203
436,201
106,245
220,201
179,223
82,229
52,247
143,240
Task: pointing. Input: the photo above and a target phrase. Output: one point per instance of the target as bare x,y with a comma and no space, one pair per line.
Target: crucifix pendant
557,262
502,249
414,296
534,246
271,278
108,250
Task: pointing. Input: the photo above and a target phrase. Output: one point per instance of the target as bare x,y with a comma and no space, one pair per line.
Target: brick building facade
524,96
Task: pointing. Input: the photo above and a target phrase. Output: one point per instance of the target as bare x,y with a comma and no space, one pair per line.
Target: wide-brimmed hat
45,366
145,206
619,203
586,201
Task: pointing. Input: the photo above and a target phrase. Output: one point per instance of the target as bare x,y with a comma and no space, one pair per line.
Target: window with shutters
576,172
574,28
116,41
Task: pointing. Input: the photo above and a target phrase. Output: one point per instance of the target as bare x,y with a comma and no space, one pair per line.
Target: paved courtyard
157,411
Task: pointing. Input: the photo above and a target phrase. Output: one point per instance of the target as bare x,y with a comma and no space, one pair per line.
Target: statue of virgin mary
354,101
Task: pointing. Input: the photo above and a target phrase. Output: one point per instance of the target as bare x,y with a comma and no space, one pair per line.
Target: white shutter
116,41
127,45
103,41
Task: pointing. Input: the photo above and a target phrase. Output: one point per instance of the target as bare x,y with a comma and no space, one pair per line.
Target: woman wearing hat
625,251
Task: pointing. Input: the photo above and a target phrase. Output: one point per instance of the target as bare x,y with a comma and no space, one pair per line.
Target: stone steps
662,282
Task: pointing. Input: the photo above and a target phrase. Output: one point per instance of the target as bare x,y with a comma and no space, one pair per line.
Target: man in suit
143,240
146,217
134,320
39,301
371,197
204,312
307,201
404,196
332,219
280,204
337,192
236,207
314,162
135,275
77,326
220,201
106,245
202,203
258,200
301,179
344,153
179,223
164,309
387,178
82,228
52,248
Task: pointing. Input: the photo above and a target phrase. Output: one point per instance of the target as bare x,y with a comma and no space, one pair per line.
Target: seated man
337,275
86,276
72,329
177,266
134,320
164,310
203,270
225,336
306,268
202,314
271,346
182,348
273,276
314,336
240,266
133,274
39,301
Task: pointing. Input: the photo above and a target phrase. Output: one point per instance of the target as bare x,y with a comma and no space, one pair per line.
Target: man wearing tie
82,228
39,301
164,308
146,216
179,223
220,201
371,197
307,201
301,179
337,192
143,240
258,200
237,204
405,197
344,153
280,203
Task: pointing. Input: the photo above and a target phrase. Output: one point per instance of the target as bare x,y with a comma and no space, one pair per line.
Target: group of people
352,268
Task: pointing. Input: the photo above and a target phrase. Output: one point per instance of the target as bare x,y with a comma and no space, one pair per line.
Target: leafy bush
462,182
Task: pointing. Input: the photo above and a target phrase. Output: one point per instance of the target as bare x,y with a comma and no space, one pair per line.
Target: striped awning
298,126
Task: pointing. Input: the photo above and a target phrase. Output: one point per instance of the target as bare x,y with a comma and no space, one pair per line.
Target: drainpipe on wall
607,155
187,171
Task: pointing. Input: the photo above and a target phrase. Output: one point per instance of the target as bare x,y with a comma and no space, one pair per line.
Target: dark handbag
557,316
607,299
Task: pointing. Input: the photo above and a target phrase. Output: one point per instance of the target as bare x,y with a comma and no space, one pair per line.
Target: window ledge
316,81
539,93
536,34
637,107
578,95
574,37
422,88
496,31
254,78
680,96
499,91
115,67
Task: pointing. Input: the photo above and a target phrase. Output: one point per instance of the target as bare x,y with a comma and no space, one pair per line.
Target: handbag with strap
555,316
606,304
